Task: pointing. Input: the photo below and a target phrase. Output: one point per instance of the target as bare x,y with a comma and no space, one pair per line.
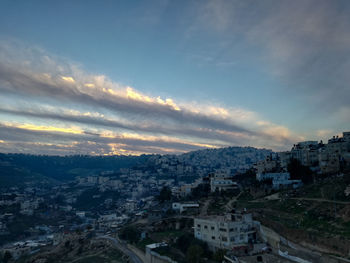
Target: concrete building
279,180
285,158
270,164
226,232
336,154
182,207
221,181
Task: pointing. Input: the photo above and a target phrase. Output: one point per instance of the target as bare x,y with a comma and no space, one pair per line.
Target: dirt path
229,204
320,200
88,256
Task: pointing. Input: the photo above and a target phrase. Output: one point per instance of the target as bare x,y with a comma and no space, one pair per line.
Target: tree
202,190
219,255
183,242
130,234
67,244
194,254
7,257
267,181
165,194
299,172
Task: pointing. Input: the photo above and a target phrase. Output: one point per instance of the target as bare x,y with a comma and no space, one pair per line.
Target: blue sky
202,73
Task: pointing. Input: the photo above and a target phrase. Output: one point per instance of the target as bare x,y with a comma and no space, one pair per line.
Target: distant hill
63,167
15,167
12,175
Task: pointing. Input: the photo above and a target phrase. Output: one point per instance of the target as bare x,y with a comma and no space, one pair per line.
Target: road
133,257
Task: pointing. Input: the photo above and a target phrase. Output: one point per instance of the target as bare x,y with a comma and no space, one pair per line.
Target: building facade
226,232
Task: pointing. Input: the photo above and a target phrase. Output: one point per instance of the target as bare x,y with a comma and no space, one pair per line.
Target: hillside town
213,198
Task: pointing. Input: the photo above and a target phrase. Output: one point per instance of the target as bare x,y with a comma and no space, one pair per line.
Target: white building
221,181
81,214
278,179
181,207
226,232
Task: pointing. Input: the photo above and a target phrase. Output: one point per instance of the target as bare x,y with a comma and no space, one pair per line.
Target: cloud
324,134
304,44
68,140
96,106
104,94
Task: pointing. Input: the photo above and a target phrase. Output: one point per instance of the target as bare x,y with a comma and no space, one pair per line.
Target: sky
133,77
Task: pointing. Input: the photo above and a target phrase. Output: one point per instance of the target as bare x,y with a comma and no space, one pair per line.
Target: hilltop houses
323,158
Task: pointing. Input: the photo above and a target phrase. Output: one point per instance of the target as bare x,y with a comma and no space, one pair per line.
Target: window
231,229
212,228
223,229
213,238
198,225
205,227
224,239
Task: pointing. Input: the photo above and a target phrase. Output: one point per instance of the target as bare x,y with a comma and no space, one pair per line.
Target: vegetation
317,213
300,172
17,176
165,194
187,241
202,190
194,254
247,178
62,167
92,198
131,234
7,257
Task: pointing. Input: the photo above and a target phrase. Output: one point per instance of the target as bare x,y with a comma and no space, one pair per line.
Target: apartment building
220,181
279,180
226,232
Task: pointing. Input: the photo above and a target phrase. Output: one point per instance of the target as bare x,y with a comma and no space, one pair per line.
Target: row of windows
206,227
232,239
223,229
224,238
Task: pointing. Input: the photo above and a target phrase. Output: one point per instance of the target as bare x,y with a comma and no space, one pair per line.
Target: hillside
67,167
225,157
15,169
13,175
316,215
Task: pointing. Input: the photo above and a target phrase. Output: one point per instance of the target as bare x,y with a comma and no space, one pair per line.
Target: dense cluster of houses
321,157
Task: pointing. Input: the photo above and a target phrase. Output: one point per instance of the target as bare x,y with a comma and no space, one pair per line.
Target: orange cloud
33,127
